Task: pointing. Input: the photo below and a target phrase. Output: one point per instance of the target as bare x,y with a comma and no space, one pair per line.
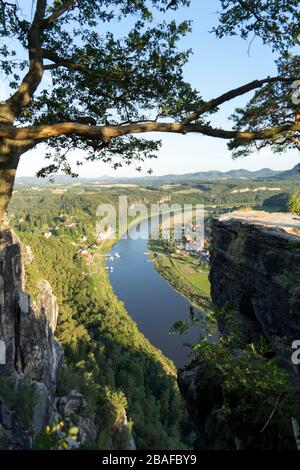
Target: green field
184,272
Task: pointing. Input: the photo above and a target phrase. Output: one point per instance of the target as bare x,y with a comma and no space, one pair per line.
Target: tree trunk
9,159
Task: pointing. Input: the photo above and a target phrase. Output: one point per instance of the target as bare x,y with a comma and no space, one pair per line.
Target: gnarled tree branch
43,132
32,79
58,61
229,95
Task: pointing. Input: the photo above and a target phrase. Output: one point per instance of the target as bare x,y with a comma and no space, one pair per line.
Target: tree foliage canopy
294,202
77,82
276,22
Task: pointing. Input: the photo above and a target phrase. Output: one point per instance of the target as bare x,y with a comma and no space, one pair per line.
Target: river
152,303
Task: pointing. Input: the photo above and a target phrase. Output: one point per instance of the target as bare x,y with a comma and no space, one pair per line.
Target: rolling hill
213,175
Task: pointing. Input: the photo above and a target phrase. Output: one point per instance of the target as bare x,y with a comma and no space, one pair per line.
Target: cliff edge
244,391
255,268
29,355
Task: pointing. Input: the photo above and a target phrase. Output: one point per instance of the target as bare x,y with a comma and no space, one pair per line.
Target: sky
216,66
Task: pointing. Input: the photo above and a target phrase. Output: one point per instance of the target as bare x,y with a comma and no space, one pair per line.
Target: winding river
152,303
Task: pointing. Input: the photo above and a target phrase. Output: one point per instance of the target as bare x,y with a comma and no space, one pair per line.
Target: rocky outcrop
71,409
199,404
254,272
47,303
255,269
123,438
32,356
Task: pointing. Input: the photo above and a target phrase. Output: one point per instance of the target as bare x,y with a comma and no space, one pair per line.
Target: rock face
32,356
213,429
255,269
71,409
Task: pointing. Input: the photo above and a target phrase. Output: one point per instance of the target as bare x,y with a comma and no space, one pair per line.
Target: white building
48,234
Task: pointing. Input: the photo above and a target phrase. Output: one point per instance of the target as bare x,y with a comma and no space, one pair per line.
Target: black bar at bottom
137,459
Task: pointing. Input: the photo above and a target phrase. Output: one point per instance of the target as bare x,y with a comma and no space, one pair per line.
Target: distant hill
264,173
212,175
293,173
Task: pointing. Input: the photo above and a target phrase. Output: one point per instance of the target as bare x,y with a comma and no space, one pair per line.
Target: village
192,241
101,237
86,250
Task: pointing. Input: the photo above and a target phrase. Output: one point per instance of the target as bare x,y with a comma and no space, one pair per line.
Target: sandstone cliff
255,268
30,356
255,272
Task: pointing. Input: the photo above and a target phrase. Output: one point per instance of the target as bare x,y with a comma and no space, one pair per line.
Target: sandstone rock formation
32,356
255,271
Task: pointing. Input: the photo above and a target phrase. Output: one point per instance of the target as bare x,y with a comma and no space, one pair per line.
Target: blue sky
215,66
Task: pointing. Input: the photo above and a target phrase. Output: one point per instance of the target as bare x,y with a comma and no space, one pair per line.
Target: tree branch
229,95
32,79
252,11
56,14
43,132
271,415
58,61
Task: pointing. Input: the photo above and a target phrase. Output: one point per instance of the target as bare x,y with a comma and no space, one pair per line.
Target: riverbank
152,303
105,291
184,273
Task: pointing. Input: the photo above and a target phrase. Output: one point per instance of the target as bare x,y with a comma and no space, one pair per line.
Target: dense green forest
266,192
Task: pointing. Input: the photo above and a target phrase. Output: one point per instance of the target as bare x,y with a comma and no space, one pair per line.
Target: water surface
152,303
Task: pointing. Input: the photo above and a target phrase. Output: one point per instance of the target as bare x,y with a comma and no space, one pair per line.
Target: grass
201,282
192,274
183,272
